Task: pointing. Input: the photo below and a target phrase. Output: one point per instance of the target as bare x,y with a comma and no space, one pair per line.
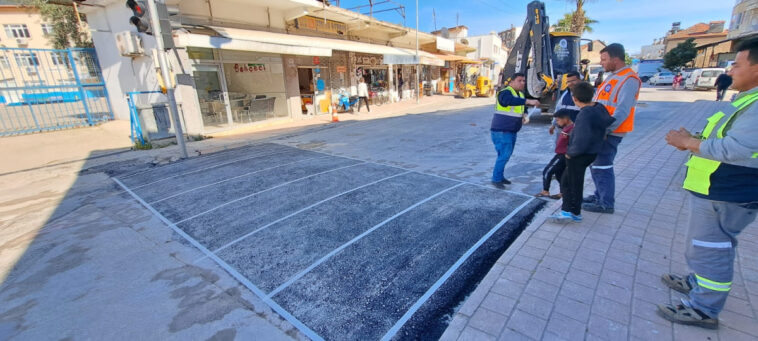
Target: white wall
125,74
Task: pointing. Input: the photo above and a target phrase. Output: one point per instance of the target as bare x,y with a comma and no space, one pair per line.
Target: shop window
256,89
198,53
210,95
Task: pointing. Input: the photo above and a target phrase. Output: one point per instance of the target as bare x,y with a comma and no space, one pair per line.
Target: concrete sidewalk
601,279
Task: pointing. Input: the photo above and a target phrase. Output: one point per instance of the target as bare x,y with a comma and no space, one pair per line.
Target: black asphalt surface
345,249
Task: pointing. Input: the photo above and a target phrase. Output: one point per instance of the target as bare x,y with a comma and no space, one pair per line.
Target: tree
565,24
66,29
679,56
578,18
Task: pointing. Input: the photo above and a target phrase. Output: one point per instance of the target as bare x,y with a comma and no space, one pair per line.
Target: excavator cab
566,54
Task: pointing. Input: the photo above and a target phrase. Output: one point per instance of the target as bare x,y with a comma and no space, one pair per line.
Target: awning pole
418,61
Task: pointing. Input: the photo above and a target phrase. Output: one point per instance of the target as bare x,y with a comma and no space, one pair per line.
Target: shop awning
255,45
262,41
449,57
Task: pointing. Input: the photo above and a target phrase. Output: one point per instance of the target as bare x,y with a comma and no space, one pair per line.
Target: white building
243,62
489,50
653,51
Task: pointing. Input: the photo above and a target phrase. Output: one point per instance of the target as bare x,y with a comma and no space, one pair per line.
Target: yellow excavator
544,56
473,84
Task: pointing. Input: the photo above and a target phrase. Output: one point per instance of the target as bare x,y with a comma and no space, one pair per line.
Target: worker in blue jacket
506,122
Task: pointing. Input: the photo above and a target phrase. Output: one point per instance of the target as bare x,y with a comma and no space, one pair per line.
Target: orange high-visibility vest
608,94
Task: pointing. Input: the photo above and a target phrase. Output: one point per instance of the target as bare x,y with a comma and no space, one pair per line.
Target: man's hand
683,140
551,130
532,102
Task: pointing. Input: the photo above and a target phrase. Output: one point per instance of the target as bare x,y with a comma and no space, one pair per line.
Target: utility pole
166,73
418,61
434,18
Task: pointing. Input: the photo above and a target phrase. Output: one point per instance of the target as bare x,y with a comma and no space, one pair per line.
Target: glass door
210,94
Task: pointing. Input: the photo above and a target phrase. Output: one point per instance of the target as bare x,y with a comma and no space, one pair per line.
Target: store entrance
305,79
210,95
314,82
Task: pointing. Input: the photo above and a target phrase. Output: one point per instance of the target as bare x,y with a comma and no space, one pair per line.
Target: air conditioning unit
129,44
22,41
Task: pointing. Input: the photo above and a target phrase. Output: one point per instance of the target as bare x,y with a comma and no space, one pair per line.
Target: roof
699,30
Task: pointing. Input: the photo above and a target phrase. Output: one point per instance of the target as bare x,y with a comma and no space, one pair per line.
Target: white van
703,79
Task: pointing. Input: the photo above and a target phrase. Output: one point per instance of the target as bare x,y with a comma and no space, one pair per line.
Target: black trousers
554,168
572,182
365,100
720,94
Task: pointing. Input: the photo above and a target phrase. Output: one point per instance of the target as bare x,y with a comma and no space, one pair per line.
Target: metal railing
50,89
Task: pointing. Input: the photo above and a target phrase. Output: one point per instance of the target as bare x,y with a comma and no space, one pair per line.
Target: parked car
594,71
662,78
703,79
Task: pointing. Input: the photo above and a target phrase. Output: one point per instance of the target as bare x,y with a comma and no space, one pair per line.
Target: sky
632,23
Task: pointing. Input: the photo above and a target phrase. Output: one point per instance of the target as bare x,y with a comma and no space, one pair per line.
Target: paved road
99,245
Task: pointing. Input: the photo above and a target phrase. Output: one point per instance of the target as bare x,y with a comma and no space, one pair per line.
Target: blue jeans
504,143
602,172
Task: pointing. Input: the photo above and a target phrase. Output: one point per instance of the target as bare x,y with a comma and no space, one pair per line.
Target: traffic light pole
166,73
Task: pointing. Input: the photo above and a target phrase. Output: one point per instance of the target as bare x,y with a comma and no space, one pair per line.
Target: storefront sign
320,25
367,59
341,69
249,67
316,61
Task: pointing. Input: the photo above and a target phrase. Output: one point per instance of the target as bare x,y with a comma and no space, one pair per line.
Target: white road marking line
284,313
416,306
235,177
249,157
206,156
266,190
421,172
303,210
354,240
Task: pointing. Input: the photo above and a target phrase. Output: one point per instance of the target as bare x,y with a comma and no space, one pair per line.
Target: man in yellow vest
506,122
618,93
722,176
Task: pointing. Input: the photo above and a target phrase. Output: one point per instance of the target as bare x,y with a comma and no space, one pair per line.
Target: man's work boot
594,207
589,199
683,314
677,283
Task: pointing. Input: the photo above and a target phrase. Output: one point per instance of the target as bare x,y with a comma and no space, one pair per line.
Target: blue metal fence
49,89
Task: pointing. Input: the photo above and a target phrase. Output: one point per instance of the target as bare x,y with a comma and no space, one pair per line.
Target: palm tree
579,18
565,24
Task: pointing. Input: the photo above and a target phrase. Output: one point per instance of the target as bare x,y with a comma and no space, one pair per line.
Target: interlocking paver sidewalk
601,279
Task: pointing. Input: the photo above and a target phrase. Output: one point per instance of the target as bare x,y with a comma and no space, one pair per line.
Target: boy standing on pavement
509,116
618,93
585,142
557,165
722,176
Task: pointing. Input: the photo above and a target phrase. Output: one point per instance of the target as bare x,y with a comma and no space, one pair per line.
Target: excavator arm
532,53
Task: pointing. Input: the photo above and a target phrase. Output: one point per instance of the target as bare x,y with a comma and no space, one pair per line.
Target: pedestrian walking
677,82
722,176
506,122
618,93
363,94
557,165
585,142
723,81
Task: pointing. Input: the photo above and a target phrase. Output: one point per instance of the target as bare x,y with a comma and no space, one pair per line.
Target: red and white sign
249,67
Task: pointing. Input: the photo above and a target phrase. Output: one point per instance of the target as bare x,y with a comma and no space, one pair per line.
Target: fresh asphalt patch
342,248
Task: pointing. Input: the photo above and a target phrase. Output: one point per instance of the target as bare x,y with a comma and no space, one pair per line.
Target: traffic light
138,19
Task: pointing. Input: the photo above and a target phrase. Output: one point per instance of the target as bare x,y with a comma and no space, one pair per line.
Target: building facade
489,50
240,63
653,51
